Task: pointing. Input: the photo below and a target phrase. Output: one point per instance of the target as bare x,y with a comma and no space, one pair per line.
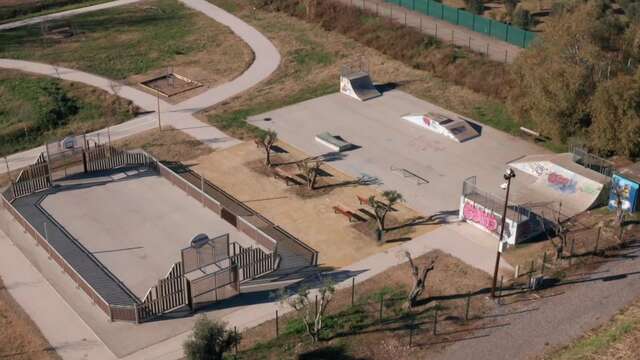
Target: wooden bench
343,210
362,200
281,174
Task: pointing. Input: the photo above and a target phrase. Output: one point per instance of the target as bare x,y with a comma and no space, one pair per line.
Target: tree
265,140
382,207
474,6
420,279
615,113
312,310
209,340
521,17
309,169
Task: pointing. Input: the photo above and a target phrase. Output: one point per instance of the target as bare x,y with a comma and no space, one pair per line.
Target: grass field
20,338
136,40
35,109
13,10
358,332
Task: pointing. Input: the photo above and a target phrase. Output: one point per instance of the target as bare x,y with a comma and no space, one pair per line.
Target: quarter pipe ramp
359,86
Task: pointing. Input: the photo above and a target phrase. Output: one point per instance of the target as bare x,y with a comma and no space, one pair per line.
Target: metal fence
213,251
590,161
476,23
492,202
220,285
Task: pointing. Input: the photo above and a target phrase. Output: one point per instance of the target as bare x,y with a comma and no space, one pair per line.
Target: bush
510,6
522,18
210,340
474,6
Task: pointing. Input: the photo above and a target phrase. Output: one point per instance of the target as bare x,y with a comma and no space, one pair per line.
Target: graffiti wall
559,178
629,193
487,220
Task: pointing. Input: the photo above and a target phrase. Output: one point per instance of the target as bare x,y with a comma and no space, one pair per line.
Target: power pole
509,174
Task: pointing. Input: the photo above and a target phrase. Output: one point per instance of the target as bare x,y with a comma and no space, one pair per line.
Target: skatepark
363,130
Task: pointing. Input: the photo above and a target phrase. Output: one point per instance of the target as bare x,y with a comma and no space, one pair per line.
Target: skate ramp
359,86
456,129
559,180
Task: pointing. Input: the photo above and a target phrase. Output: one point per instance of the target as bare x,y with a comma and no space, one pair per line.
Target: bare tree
419,277
309,169
312,313
619,210
382,207
265,140
561,232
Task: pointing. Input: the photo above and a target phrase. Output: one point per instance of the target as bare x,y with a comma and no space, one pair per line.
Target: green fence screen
486,26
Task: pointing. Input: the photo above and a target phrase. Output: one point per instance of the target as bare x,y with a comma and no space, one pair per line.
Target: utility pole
508,175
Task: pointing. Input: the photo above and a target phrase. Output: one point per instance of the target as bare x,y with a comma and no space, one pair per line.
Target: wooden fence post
595,249
466,307
353,290
380,313
435,322
277,327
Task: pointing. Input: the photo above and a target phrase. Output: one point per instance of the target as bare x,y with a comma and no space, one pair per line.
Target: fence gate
170,293
33,178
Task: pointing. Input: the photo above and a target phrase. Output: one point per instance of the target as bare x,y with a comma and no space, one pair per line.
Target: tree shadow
328,353
438,218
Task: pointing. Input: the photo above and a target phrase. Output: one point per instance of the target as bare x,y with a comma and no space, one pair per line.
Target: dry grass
619,339
386,340
20,338
308,214
167,145
583,234
406,44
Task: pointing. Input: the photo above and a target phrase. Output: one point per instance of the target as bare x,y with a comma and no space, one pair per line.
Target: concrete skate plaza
387,141
136,225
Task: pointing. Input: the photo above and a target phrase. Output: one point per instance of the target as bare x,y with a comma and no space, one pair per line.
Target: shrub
210,340
474,6
522,18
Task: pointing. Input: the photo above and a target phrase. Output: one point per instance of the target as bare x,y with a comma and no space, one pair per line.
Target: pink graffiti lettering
480,216
426,120
557,179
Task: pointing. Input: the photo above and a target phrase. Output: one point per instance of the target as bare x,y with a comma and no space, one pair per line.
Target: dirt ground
447,286
19,336
309,215
167,145
583,235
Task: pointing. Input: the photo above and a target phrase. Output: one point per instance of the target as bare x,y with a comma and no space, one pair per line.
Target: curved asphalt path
180,116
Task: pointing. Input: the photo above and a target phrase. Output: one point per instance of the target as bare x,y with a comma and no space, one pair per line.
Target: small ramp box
333,142
358,85
455,129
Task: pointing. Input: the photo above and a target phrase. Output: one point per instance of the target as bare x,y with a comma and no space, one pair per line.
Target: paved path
180,116
64,14
554,321
449,33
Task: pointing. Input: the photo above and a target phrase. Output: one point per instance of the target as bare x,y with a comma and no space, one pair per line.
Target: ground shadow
328,353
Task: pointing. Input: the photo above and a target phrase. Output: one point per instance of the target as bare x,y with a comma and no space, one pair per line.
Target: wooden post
202,188
316,305
411,333
544,260
435,322
517,272
487,49
500,290
595,249
353,290
506,52
531,268
277,327
469,42
466,307
158,105
380,313
235,330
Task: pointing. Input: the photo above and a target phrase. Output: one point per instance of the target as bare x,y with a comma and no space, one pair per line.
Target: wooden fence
252,262
33,178
105,157
170,293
